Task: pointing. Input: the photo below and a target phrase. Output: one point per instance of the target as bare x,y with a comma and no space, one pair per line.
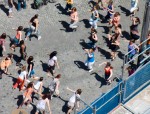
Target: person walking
69,5
27,95
23,54
90,59
21,3
2,44
52,62
40,107
74,100
134,33
38,86
134,7
94,18
108,72
11,6
34,27
16,40
74,19
30,67
54,86
21,79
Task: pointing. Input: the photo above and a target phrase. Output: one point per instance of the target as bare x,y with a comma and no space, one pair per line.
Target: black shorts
50,68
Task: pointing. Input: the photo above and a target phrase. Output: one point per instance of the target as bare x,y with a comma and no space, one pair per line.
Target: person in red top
2,42
16,40
108,71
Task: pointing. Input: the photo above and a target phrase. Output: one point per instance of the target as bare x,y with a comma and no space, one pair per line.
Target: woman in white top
38,85
74,100
134,6
21,79
42,103
52,63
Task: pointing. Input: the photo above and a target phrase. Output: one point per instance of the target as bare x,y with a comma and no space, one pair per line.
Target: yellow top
70,1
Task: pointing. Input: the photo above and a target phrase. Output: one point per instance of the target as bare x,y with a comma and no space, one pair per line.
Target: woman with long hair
16,40
31,71
34,27
40,107
52,62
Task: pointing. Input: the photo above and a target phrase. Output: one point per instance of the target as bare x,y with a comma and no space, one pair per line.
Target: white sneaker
91,70
25,39
39,37
86,64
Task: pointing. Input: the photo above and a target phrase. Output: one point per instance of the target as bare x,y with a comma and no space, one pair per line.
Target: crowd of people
24,83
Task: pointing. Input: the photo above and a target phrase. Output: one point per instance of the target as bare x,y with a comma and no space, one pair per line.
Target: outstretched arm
70,90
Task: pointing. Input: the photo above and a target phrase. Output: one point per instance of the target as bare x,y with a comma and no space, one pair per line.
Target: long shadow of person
100,79
5,10
106,29
80,65
120,55
66,26
64,107
33,110
86,23
124,10
16,58
126,35
61,9
44,66
104,52
46,90
20,100
13,79
84,44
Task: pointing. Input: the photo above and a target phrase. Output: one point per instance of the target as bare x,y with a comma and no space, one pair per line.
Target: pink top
74,16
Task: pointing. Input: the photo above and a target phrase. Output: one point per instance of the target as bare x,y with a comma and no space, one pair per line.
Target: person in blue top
90,59
110,10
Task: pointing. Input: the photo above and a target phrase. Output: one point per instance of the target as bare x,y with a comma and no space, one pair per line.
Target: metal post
145,27
94,110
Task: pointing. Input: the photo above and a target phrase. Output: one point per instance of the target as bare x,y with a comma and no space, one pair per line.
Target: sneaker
91,70
25,39
39,37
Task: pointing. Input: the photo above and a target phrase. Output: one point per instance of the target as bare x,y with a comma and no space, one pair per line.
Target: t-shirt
73,98
53,84
51,61
22,75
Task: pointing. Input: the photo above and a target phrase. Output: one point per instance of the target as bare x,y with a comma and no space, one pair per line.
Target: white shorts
10,10
70,104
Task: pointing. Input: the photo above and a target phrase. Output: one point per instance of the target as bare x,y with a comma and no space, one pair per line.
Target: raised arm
70,90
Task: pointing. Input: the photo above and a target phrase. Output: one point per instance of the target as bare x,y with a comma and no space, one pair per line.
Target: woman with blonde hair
90,59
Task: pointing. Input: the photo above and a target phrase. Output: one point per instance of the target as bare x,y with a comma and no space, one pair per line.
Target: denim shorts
31,73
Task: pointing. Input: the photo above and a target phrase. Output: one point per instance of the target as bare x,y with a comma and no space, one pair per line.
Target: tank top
18,35
131,47
91,59
41,104
107,71
94,13
109,7
52,85
37,85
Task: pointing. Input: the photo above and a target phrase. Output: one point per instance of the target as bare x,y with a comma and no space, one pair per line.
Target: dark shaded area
80,65
92,3
120,55
86,23
61,9
126,35
64,107
124,10
16,58
106,29
84,44
44,66
33,110
5,10
100,79
45,90
66,26
104,52
13,79
20,100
